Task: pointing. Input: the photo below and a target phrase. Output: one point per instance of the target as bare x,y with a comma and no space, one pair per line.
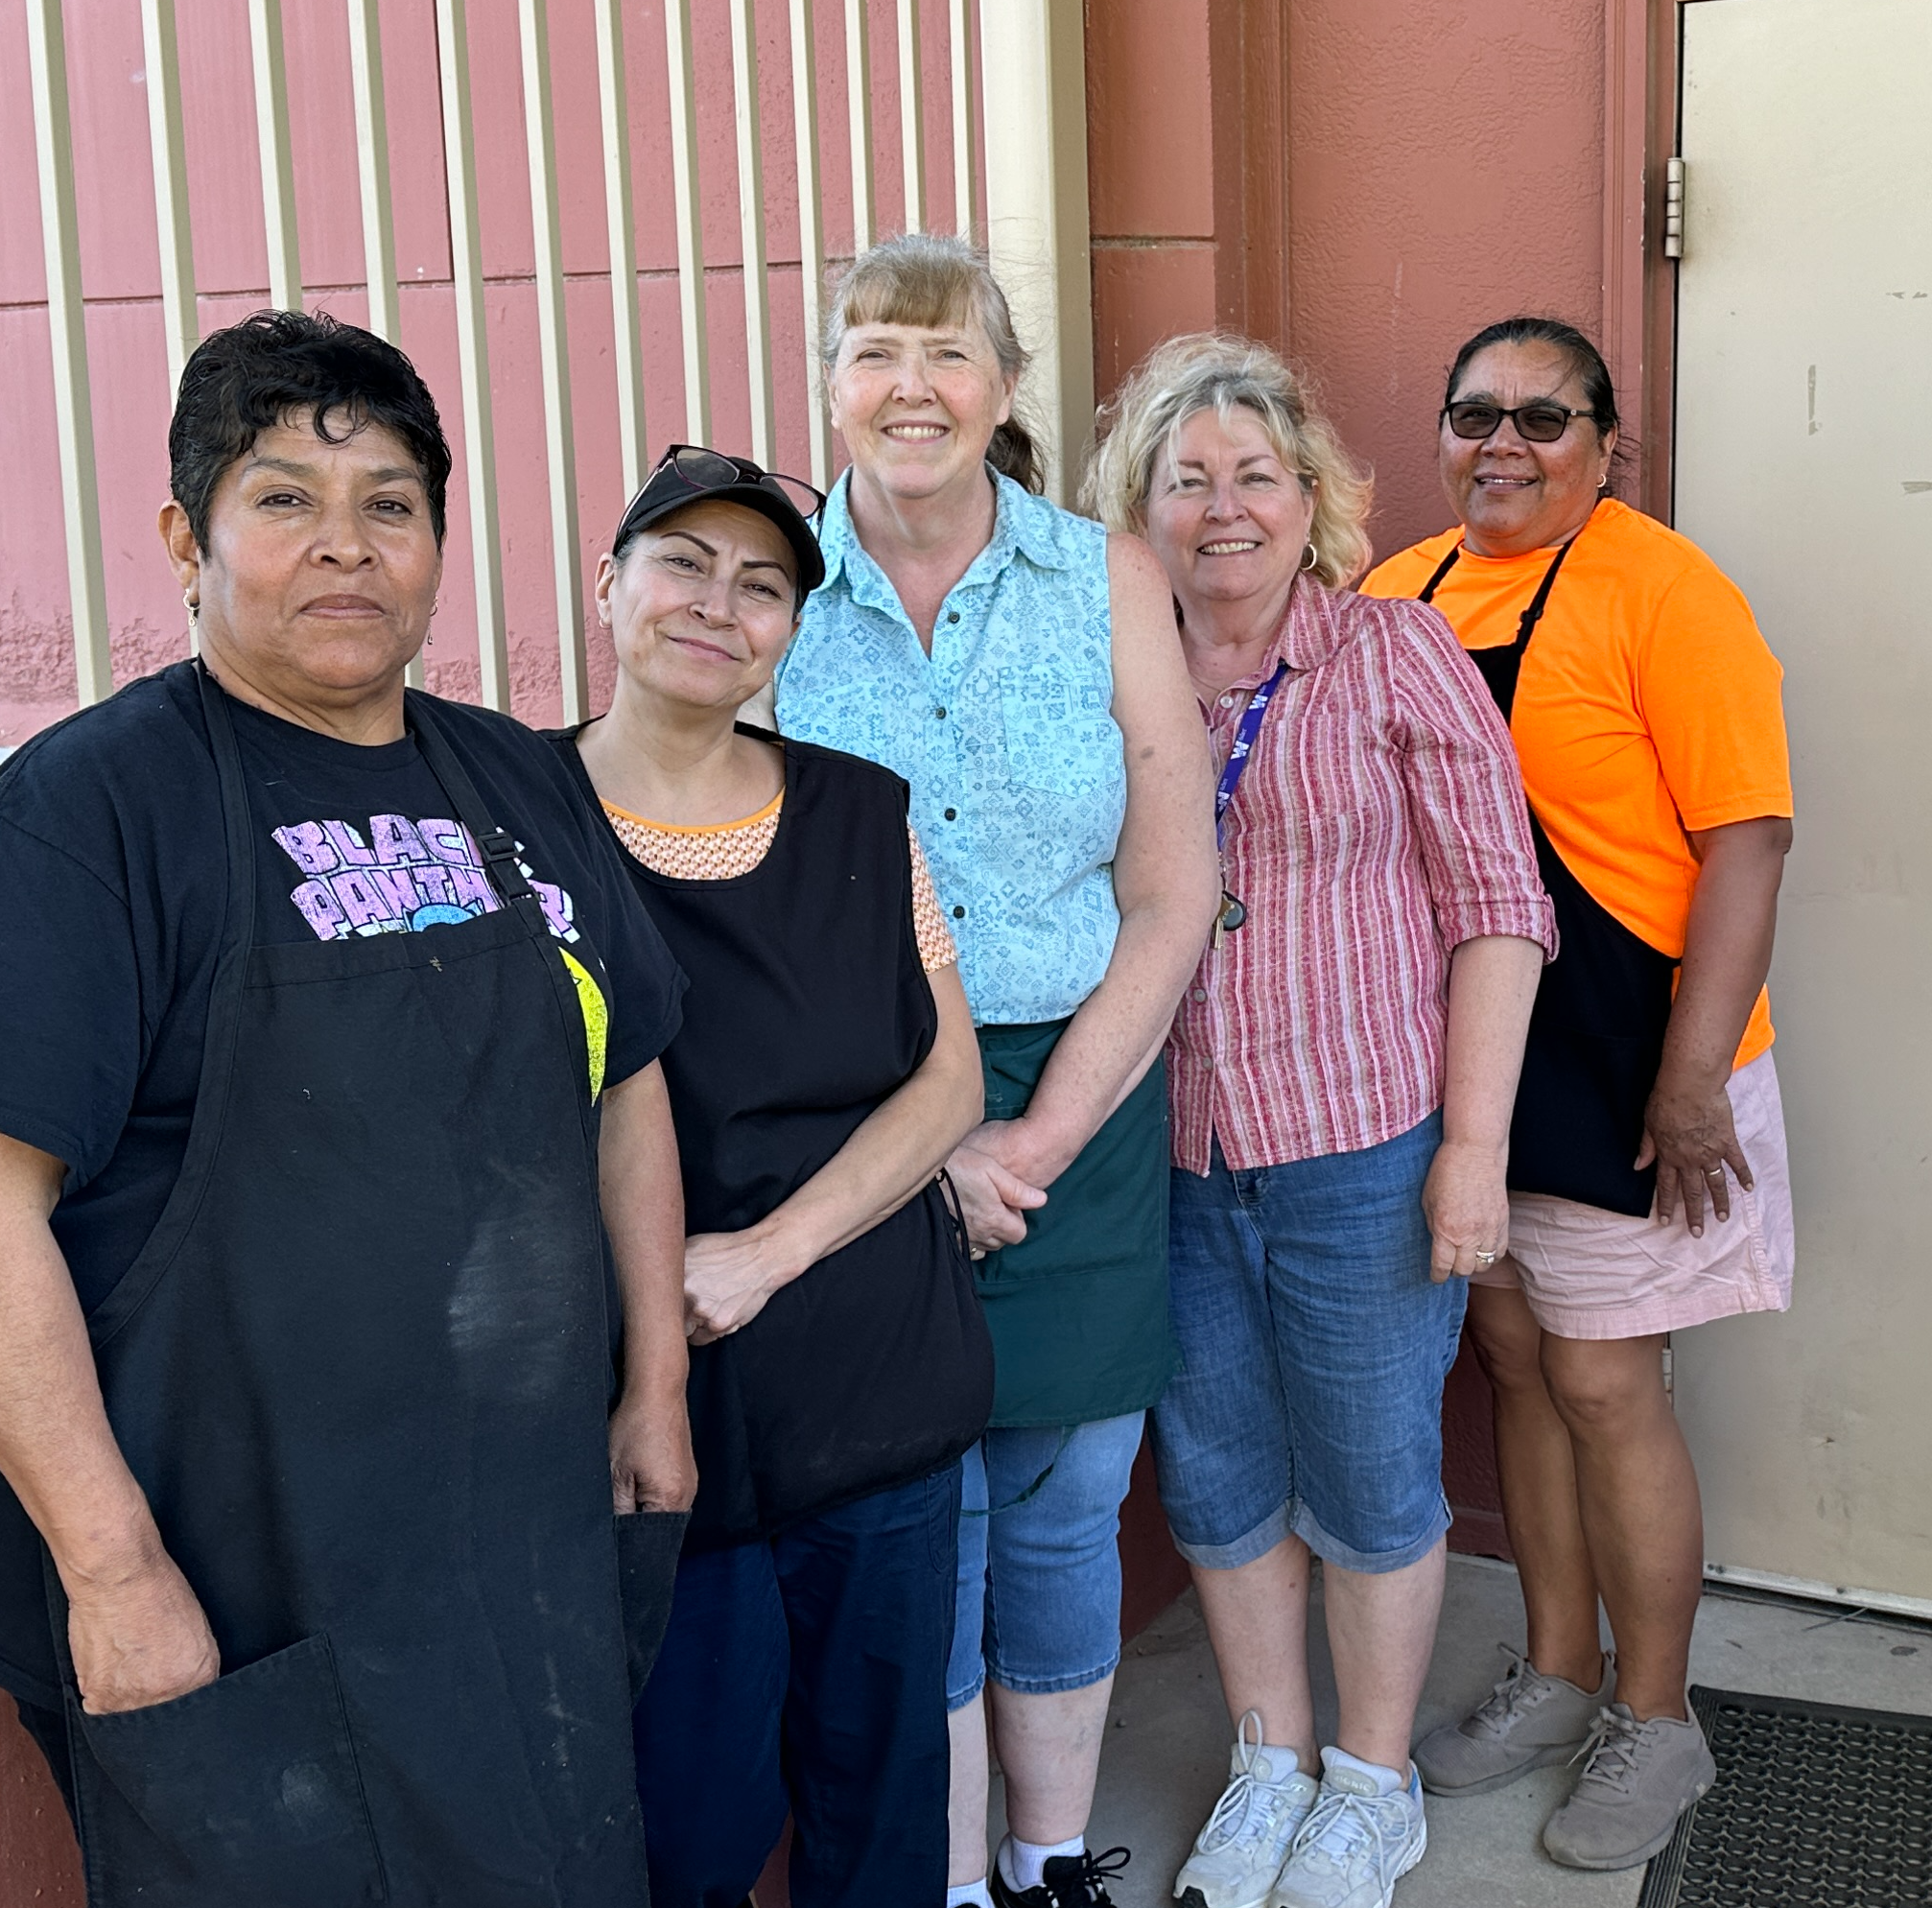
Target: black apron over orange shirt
362,1370
808,1007
1596,1032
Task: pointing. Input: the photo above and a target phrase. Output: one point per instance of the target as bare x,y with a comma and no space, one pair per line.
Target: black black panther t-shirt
113,886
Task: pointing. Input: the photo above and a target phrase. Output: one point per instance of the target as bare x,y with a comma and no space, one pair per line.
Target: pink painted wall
1444,165
1445,168
121,281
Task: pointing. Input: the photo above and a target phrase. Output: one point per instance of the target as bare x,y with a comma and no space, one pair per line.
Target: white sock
1022,1864
1387,1782
969,1895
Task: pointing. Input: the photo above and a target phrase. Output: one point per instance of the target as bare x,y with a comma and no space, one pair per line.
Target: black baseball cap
689,474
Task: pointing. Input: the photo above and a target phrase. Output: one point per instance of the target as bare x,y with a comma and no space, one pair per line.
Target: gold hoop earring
1313,556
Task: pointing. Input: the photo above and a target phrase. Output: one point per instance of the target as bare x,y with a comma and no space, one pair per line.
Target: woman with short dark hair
340,1291
1645,709
825,1071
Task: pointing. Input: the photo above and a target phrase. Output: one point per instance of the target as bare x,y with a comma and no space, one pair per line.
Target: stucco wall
1445,168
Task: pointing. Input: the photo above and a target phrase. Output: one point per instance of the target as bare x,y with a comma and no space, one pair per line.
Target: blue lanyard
1238,756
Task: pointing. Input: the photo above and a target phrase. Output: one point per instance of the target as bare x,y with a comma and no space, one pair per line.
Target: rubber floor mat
1814,1807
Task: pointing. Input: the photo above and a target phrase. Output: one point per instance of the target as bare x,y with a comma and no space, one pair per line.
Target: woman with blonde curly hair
1341,1072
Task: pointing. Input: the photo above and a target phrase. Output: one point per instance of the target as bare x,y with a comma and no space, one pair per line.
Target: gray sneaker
1526,1721
1637,1779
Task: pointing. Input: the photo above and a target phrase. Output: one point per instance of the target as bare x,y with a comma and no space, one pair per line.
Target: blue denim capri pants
1313,1350
1039,1585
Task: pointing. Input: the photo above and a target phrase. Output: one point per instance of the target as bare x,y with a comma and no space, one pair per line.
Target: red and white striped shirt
1380,824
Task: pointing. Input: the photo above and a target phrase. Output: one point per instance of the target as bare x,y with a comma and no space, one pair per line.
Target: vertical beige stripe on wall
372,169
472,350
372,178
553,349
67,321
180,323
751,226
689,223
959,22
810,234
911,116
271,142
859,116
627,346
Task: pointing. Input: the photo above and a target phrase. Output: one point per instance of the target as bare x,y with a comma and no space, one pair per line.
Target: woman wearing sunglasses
1340,1078
825,1069
1648,1183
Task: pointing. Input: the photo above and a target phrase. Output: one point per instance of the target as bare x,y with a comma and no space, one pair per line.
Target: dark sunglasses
1540,423
700,470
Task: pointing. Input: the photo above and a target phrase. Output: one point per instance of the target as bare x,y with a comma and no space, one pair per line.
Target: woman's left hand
652,1466
1687,1130
728,1278
1467,1206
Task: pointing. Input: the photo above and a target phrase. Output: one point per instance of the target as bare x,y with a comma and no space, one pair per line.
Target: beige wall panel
1805,466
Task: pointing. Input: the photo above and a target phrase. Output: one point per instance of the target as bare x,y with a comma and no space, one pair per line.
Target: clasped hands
996,1173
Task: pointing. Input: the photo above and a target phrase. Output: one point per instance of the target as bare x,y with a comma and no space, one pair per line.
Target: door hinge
1673,208
1669,1372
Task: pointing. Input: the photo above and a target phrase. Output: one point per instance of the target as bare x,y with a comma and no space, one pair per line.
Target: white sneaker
1356,1844
1241,1852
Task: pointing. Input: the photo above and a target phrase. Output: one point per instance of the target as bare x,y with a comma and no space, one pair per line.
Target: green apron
1078,1309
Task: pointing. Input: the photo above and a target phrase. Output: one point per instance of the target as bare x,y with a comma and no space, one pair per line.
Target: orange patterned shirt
722,851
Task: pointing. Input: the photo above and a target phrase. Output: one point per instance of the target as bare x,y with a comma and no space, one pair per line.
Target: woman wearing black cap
826,1069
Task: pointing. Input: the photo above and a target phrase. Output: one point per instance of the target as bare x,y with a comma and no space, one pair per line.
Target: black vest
808,1008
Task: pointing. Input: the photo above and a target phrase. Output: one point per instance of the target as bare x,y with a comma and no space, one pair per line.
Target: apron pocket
244,1794
647,1545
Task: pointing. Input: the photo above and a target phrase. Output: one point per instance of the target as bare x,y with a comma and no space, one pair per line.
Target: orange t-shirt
1648,705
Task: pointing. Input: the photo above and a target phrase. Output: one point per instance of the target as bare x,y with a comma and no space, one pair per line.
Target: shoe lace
1343,1826
1611,1750
1511,1696
1243,1796
1089,1878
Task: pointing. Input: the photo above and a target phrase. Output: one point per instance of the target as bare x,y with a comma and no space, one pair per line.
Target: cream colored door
1805,468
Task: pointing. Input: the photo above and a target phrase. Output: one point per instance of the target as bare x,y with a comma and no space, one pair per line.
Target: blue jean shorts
1039,1596
1313,1350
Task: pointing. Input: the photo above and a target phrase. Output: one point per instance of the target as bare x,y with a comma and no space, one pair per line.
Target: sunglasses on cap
699,470
1542,422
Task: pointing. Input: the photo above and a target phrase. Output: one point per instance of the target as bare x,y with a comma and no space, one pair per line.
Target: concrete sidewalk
1166,1754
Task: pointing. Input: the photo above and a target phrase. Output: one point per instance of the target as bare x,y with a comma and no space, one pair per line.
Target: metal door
1803,461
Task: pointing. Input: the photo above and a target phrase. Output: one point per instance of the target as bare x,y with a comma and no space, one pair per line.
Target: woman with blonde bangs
1341,1072
1017,665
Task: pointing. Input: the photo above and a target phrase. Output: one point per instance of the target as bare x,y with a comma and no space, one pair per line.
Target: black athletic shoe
1072,1882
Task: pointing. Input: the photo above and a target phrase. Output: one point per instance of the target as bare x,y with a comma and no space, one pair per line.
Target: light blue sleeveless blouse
1005,733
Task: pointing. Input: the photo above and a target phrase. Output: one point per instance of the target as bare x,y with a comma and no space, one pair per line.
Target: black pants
807,1673
49,1728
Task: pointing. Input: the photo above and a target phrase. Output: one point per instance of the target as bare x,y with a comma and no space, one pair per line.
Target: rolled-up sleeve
1465,792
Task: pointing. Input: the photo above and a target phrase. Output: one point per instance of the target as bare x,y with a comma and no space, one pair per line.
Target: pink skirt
1592,1274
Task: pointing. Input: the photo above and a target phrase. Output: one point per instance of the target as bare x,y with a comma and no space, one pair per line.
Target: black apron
362,1370
808,1007
1596,1032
